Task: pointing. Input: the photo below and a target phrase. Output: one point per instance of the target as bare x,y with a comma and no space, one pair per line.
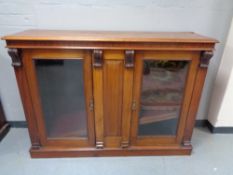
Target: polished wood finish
113,66
27,104
132,151
54,39
109,45
115,36
196,95
127,102
110,97
113,87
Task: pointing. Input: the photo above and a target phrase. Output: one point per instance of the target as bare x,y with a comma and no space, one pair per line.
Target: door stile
97,62
127,97
136,96
189,87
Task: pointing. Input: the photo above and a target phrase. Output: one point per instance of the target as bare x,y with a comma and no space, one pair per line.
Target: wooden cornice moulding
16,57
205,58
109,45
65,39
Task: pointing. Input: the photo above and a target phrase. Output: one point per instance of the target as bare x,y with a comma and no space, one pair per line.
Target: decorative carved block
15,55
97,58
129,58
99,145
124,144
205,58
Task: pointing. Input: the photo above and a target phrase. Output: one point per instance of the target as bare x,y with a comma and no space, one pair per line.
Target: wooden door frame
193,57
30,73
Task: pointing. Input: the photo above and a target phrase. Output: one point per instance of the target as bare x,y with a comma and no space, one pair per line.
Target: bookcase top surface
109,36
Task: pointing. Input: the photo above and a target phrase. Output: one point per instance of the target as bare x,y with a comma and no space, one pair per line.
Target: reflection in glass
161,96
61,88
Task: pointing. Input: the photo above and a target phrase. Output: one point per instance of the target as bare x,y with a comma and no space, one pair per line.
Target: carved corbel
129,58
15,55
97,58
205,58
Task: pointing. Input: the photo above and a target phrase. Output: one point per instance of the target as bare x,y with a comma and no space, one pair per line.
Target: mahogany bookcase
89,93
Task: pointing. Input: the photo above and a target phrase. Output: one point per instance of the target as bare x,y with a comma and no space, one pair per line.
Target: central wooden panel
111,112
113,88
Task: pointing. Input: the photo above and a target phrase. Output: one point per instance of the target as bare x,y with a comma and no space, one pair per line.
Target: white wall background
220,111
207,17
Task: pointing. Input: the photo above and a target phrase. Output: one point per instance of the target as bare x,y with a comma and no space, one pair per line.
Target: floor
212,155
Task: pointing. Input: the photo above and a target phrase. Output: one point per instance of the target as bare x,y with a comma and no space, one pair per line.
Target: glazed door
163,86
113,82
61,90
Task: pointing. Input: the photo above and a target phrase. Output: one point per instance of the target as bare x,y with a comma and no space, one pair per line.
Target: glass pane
161,96
61,88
